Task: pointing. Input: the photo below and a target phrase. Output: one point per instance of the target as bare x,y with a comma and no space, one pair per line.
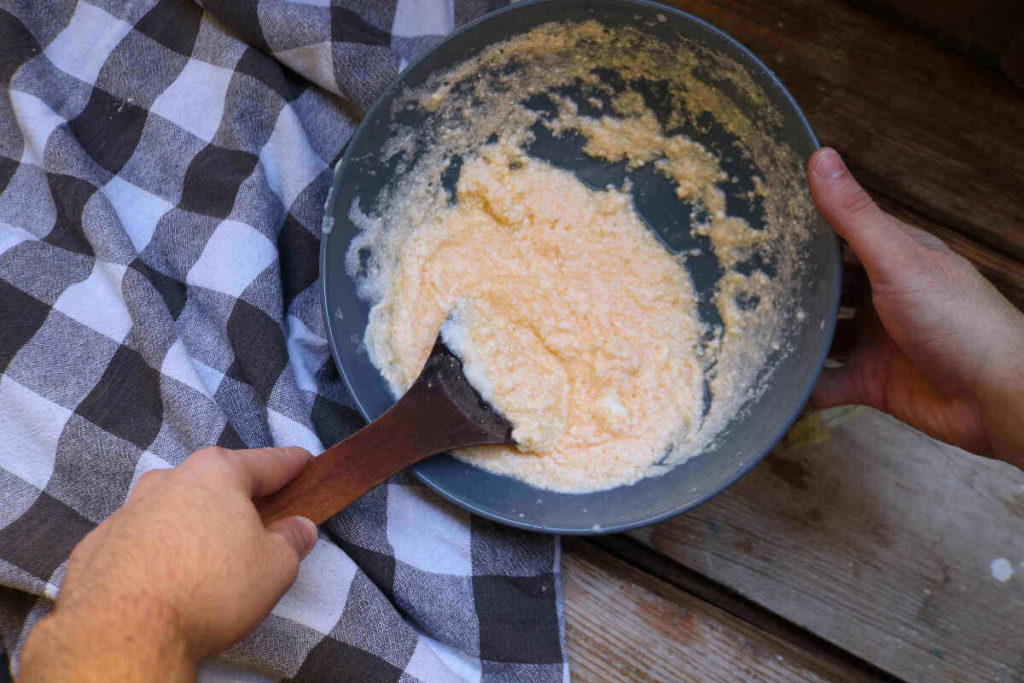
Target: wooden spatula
441,411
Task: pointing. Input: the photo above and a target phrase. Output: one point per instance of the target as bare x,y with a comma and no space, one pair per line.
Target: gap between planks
872,536
624,624
982,30
666,571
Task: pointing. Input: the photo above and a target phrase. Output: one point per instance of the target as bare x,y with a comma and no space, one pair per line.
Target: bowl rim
328,222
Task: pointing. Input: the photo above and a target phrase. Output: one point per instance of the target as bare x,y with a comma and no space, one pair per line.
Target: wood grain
981,29
667,570
876,538
915,121
625,625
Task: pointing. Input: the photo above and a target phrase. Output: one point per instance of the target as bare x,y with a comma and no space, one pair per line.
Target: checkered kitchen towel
163,171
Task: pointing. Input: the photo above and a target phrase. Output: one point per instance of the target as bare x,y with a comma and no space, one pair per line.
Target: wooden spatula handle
339,476
439,412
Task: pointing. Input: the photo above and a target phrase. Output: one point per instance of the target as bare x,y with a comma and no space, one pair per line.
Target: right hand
942,350
183,570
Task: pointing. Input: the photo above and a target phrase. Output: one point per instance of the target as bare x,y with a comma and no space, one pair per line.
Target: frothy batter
574,320
570,316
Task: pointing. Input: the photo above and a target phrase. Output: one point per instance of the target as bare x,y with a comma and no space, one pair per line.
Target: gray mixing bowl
362,174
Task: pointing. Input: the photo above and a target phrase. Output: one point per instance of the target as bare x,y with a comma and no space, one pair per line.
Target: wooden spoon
441,411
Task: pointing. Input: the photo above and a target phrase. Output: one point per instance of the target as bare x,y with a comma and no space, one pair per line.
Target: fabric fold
163,170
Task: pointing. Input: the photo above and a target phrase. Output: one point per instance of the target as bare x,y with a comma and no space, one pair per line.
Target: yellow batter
568,314
572,319
638,137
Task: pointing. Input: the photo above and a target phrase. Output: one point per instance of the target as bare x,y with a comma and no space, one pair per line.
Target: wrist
1001,396
88,644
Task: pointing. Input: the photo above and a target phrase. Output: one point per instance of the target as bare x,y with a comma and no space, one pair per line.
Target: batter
571,317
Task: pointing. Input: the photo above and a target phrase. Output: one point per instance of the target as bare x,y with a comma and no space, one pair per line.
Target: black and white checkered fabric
163,171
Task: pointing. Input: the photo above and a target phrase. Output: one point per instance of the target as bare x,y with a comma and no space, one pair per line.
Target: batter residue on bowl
570,316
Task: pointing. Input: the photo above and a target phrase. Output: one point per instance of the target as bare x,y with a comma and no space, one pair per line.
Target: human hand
182,571
941,350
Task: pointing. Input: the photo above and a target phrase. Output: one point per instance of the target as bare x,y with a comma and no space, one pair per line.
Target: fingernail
828,164
309,536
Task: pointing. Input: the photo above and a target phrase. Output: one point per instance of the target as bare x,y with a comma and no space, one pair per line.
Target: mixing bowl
364,173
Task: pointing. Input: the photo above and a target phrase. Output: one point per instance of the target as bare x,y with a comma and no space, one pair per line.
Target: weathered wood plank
915,121
668,571
624,625
981,29
878,539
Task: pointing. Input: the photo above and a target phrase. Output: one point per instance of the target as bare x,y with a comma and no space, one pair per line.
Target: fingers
861,381
286,543
298,533
256,472
269,469
882,246
291,540
836,387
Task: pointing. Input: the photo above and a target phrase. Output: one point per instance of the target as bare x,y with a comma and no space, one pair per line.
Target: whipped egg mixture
571,318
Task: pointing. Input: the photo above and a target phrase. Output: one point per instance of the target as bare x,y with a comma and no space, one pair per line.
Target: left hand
940,348
181,572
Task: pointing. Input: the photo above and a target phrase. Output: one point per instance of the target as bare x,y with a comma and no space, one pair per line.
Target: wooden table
859,549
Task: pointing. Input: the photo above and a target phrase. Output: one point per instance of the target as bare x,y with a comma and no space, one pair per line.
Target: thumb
298,533
885,250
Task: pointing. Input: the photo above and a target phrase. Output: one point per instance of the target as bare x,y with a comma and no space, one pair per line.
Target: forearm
108,645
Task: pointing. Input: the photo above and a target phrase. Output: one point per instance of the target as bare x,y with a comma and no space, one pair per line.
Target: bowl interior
364,173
